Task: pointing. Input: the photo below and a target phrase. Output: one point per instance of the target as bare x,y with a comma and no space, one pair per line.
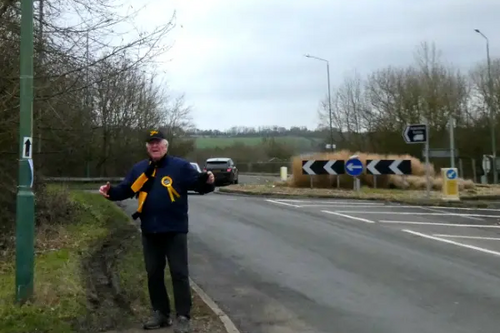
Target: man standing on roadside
161,184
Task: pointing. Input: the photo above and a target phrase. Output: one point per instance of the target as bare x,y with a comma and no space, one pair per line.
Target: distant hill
297,142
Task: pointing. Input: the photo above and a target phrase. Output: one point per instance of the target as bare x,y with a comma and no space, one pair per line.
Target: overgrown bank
89,273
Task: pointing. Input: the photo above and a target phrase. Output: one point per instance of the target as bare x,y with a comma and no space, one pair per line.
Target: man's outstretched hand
104,189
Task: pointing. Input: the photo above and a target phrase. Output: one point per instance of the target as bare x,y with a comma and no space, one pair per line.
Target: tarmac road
257,179
279,266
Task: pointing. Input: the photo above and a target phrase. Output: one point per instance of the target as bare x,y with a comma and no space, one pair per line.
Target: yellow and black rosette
167,182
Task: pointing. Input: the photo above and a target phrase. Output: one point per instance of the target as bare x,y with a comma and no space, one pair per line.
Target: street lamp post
329,94
492,112
25,203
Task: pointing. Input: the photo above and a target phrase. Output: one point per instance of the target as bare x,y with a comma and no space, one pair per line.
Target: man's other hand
104,189
210,179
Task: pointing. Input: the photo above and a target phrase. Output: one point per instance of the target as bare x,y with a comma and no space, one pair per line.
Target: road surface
257,179
279,266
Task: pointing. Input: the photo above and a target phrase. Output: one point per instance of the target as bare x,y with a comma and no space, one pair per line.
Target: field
221,142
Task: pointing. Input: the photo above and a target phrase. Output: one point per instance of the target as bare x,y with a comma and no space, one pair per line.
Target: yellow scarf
143,185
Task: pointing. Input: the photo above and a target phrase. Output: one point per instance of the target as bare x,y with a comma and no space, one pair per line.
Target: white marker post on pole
27,147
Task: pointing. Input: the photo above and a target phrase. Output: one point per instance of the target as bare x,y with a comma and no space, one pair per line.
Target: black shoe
183,325
157,320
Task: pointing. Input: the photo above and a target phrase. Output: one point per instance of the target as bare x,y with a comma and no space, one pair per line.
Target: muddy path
107,307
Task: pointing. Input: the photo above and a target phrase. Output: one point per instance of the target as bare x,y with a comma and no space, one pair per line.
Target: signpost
27,147
486,164
387,167
323,167
354,168
450,184
441,153
451,124
419,133
416,133
25,203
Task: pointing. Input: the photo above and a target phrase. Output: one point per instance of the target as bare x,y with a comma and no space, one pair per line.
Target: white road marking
464,208
379,205
341,206
466,237
281,203
375,203
338,202
442,224
472,247
299,200
440,211
348,216
416,213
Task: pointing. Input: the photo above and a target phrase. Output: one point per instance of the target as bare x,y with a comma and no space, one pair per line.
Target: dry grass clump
416,181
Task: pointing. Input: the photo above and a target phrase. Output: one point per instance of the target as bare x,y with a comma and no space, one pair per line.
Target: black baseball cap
155,135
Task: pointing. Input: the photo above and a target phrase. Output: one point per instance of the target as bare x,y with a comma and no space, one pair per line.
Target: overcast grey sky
241,63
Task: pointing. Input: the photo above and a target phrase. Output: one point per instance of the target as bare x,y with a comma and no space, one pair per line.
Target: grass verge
89,274
481,196
60,292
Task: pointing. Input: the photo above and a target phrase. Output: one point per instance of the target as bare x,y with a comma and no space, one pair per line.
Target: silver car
196,166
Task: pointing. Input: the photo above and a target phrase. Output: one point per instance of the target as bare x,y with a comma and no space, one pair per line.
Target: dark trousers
157,249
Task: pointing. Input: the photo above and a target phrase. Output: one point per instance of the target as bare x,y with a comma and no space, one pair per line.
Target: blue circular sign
353,167
451,174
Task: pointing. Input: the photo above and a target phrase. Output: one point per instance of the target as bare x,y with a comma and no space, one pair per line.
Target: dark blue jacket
159,214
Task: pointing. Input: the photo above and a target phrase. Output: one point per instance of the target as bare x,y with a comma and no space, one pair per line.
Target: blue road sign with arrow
451,174
353,167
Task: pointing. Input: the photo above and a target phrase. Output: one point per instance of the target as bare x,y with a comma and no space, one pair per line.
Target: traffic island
482,196
89,274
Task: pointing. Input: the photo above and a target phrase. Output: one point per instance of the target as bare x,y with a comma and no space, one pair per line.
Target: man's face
156,149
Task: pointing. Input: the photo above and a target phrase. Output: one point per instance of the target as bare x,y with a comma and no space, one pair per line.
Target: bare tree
94,95
481,92
349,112
371,113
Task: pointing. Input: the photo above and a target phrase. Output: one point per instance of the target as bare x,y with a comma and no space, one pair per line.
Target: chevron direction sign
388,167
323,167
